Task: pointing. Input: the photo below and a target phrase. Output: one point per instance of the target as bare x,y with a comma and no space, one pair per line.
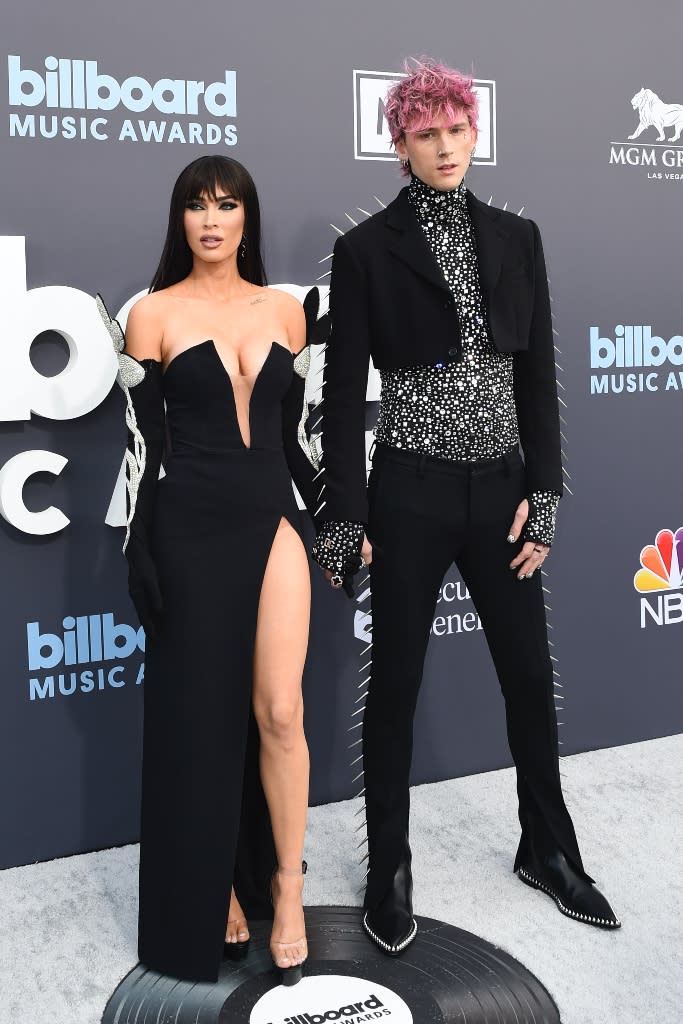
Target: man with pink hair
450,298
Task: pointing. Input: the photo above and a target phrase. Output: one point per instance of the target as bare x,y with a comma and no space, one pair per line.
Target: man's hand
532,556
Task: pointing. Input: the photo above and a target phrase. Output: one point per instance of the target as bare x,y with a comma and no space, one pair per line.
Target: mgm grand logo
662,159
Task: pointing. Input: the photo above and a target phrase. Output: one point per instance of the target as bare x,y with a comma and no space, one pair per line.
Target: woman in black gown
220,579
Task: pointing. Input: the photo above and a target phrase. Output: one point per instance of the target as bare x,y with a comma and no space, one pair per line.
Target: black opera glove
337,548
142,385
540,525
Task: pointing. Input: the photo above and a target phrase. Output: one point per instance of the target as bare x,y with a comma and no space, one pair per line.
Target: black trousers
425,514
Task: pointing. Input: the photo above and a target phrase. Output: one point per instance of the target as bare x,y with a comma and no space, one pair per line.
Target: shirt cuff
336,542
540,526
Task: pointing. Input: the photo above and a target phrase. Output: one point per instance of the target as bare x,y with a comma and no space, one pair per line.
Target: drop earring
243,247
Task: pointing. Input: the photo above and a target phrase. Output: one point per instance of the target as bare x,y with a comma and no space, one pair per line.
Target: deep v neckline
230,378
212,343
242,376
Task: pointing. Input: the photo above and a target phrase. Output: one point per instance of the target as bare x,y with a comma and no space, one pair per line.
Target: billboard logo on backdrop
638,360
661,160
57,661
661,578
371,134
72,85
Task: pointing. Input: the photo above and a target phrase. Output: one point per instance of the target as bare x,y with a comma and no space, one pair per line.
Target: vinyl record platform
446,976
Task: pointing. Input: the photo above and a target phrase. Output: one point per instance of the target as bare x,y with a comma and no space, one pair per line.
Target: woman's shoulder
145,326
292,313
149,306
288,305
283,298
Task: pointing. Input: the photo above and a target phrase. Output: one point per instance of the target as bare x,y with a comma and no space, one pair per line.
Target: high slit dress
205,822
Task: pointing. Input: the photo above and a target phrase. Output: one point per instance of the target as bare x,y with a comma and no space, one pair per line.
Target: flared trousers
425,515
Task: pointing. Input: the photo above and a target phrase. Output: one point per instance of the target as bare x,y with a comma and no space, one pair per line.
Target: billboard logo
67,84
661,573
635,347
662,160
78,85
85,640
371,134
330,997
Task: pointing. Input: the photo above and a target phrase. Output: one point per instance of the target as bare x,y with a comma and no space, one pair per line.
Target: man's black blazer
389,300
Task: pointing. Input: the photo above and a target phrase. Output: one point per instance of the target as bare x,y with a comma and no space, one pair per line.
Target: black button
453,352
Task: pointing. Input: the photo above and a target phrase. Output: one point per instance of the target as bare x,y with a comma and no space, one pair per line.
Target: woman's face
440,154
214,227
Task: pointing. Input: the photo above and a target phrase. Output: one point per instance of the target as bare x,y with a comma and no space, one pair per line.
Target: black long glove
301,452
141,383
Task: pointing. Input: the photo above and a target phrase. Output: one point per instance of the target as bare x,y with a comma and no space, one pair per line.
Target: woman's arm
140,378
144,329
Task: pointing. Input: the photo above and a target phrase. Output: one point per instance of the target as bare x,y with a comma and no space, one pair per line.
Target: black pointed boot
575,896
391,924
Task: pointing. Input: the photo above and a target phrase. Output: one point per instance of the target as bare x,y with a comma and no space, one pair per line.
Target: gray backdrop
93,215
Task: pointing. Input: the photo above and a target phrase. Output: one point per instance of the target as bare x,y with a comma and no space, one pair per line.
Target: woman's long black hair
211,176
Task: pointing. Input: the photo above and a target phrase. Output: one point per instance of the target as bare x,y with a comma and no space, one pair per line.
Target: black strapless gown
205,822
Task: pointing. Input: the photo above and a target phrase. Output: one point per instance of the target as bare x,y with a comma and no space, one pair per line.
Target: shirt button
452,351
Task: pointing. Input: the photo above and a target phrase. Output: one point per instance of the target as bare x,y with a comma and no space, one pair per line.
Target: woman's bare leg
279,656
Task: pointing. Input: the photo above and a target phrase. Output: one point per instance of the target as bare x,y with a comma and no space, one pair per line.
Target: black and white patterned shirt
461,410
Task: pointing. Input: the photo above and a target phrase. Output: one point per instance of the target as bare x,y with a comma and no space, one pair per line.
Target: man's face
440,154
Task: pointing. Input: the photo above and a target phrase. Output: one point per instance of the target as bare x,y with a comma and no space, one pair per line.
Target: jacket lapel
489,241
406,239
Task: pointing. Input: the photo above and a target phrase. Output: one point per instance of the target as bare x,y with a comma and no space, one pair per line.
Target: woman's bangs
213,179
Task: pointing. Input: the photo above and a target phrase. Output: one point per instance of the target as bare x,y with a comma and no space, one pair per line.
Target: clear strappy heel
293,973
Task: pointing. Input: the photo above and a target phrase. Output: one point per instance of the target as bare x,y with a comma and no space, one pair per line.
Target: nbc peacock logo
661,578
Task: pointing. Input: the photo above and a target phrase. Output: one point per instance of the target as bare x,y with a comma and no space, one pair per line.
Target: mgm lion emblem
654,113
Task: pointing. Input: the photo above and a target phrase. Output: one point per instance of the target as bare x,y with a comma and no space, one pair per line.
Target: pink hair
429,90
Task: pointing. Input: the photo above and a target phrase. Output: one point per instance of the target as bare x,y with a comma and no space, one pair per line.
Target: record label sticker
331,997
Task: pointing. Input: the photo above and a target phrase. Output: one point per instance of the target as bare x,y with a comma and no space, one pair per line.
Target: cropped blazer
390,302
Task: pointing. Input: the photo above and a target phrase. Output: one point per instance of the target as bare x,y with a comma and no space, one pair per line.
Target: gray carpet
67,928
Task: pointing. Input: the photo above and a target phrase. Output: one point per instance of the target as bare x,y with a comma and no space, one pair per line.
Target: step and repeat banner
101,106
